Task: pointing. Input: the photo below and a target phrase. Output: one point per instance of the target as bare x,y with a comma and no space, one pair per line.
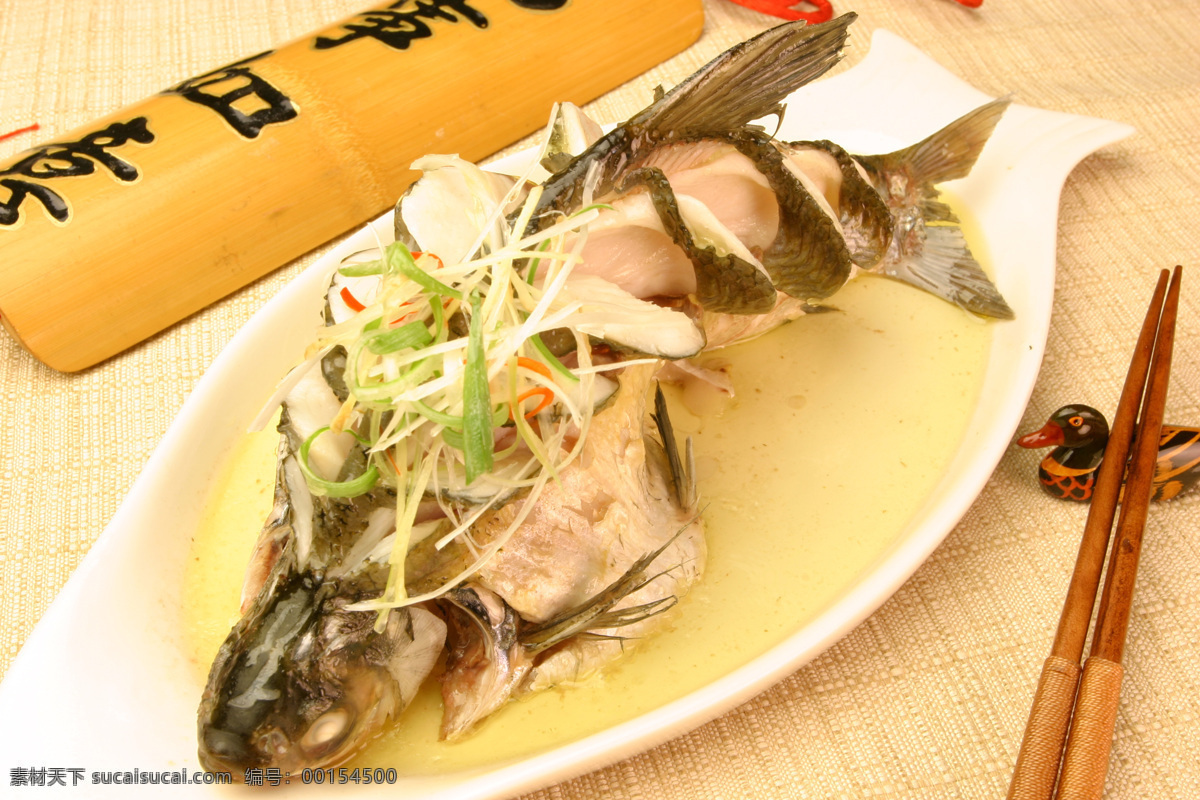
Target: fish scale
724,282
809,259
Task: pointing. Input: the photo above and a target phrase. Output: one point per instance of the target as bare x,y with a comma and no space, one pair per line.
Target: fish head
302,682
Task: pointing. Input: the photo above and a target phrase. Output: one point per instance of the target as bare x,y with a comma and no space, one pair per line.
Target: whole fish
470,481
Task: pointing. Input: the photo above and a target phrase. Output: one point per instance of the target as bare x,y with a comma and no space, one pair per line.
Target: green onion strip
349,488
477,400
536,338
402,260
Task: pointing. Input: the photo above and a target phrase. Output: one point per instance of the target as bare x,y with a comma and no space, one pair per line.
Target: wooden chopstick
1085,761
1041,750
1113,617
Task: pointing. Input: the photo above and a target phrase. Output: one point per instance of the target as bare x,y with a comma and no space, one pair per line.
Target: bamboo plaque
117,230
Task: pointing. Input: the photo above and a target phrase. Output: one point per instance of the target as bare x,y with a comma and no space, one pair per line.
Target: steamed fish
472,484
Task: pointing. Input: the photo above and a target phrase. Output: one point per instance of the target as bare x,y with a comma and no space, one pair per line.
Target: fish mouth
225,751
329,740
1049,434
236,752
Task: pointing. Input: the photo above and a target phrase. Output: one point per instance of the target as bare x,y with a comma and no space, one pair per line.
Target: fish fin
682,472
570,133
274,538
946,155
629,615
945,267
595,611
934,210
928,248
764,70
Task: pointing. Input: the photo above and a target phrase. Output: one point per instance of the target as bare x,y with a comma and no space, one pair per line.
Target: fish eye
1076,421
327,732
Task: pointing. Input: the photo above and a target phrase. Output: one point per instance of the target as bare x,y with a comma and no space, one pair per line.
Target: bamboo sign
119,229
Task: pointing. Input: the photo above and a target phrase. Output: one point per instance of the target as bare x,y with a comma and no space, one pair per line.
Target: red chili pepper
350,300
408,314
546,392
785,9
403,316
418,253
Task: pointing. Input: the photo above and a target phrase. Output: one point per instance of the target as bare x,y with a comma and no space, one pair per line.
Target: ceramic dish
103,682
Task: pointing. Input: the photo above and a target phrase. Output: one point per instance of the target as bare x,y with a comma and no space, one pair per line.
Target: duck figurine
1079,434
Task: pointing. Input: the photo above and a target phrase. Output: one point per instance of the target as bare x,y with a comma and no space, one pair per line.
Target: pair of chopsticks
1088,704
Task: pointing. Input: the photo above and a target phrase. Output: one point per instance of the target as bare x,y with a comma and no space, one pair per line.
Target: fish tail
751,80
946,268
947,154
928,248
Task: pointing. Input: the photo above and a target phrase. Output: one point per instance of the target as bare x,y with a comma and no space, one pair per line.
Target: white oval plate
102,683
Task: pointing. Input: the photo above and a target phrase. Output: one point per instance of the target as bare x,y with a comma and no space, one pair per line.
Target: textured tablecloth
928,697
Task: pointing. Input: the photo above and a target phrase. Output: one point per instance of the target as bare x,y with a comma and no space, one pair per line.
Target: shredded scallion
429,346
351,488
477,400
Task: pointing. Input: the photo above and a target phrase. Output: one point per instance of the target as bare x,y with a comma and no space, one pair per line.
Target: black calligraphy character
540,5
402,22
224,89
10,209
66,160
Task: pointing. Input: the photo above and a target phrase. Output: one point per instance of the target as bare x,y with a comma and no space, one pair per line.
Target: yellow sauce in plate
842,424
